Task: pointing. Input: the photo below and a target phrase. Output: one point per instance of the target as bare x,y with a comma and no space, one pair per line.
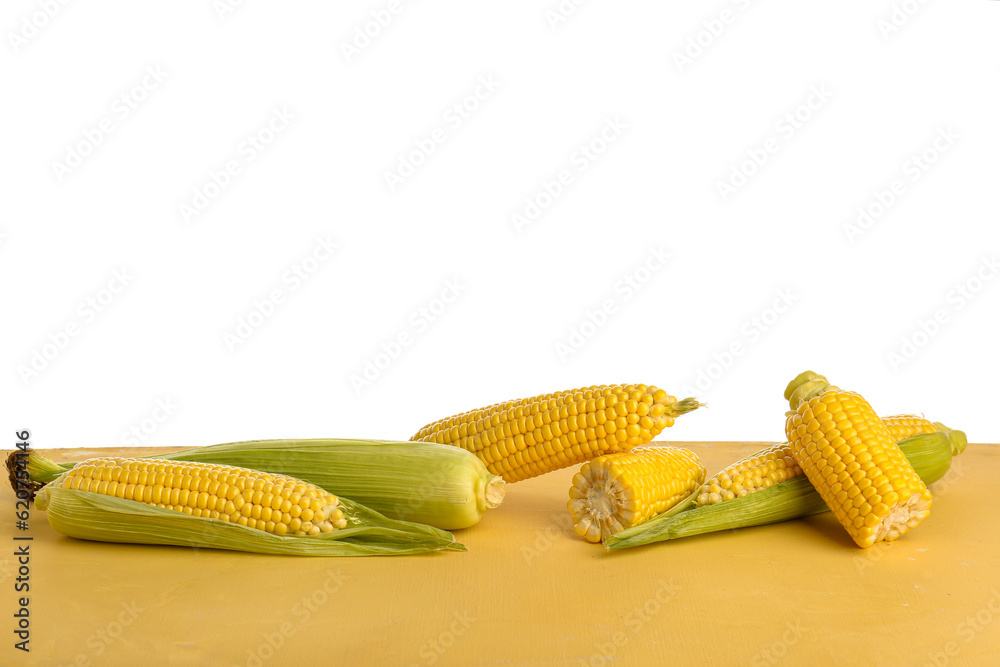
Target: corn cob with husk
150,501
442,486
776,463
929,453
528,437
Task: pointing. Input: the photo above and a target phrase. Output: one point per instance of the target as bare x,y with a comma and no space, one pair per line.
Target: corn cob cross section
528,437
849,456
618,491
272,503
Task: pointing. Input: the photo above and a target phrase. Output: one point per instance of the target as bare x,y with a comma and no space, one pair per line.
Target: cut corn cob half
153,501
618,491
930,454
847,454
439,485
775,464
523,438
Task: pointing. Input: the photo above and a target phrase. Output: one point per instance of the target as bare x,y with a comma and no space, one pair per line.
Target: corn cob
775,464
272,503
617,491
152,501
930,454
771,465
848,455
523,438
902,427
442,486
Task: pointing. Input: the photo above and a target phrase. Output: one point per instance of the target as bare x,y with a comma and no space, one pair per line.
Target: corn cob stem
929,453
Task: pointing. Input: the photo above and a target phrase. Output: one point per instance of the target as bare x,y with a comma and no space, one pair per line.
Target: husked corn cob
272,503
848,455
760,470
528,437
775,464
902,427
618,491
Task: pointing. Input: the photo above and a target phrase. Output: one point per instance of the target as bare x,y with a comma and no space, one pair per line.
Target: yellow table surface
529,592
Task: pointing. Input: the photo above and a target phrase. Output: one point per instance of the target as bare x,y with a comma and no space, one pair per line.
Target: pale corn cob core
523,438
775,464
618,491
272,503
849,456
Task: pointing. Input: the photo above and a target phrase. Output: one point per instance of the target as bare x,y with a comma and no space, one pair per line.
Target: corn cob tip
957,438
804,386
801,378
42,499
495,491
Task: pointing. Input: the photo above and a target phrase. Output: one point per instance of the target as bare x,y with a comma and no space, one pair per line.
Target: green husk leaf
929,453
92,516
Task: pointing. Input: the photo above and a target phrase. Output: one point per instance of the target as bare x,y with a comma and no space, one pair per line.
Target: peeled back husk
929,453
92,516
439,485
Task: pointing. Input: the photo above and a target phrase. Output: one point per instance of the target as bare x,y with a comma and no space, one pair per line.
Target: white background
888,90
